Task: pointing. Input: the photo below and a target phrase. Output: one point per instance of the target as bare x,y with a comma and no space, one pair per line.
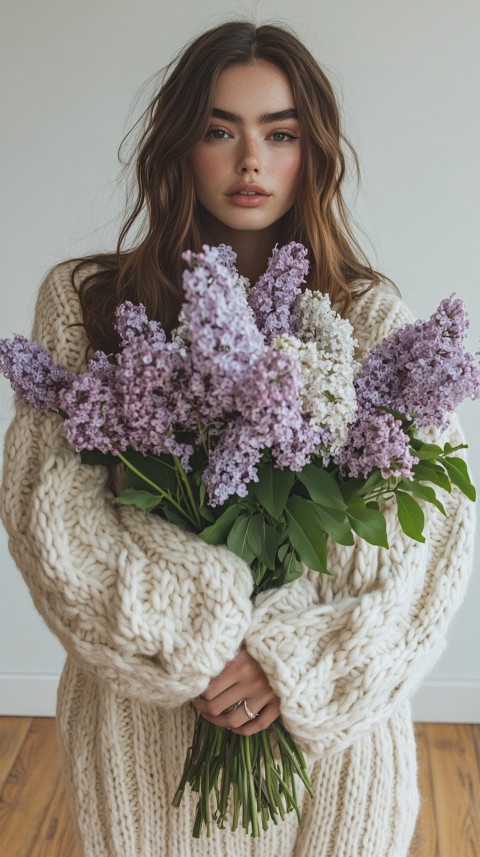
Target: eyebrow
263,119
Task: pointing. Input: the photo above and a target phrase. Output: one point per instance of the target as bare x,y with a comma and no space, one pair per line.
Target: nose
248,161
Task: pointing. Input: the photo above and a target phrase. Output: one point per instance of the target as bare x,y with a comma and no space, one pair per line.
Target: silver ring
249,713
233,707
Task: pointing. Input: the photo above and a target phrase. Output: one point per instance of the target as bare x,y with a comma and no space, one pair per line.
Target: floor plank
29,788
13,731
35,819
55,837
425,840
456,787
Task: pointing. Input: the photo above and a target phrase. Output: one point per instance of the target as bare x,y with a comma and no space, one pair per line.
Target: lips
247,189
247,195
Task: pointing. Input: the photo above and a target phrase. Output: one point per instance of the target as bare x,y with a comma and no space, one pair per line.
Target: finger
237,717
244,672
232,671
256,689
217,706
266,717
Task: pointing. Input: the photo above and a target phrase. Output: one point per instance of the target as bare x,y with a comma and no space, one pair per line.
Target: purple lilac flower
422,368
270,418
34,376
223,339
227,257
233,462
132,320
274,294
100,366
93,420
376,439
148,390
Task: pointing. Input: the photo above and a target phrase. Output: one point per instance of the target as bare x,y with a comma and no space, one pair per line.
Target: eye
216,134
282,136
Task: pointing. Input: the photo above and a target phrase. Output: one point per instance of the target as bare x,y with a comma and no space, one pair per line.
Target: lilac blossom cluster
250,370
421,371
325,348
219,332
376,439
34,376
273,296
217,381
270,417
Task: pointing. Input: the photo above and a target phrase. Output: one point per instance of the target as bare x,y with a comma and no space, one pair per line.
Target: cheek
206,168
289,172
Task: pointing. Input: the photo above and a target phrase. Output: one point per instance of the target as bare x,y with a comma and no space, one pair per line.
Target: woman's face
246,168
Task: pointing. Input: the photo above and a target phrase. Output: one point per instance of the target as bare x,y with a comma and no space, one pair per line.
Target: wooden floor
34,817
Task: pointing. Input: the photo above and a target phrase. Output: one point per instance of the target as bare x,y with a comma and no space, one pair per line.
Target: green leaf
259,571
336,524
292,568
427,471
458,472
175,517
368,523
272,541
448,448
410,515
207,513
425,450
237,540
321,486
158,470
424,492
141,499
273,488
305,533
263,540
216,534
372,482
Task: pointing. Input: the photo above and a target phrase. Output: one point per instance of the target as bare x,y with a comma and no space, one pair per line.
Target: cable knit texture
148,614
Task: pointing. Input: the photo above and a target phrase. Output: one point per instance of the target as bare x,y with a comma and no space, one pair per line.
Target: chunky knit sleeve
343,651
151,610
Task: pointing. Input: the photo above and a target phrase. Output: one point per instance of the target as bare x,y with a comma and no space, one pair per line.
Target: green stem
289,795
181,787
278,729
184,478
157,488
251,787
236,791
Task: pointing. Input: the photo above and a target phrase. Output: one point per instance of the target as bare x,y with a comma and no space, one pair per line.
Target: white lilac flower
318,322
329,366
328,393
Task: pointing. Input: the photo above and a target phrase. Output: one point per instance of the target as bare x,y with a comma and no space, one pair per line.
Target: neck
253,247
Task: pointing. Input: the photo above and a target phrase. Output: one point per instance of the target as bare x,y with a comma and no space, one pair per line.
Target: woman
242,146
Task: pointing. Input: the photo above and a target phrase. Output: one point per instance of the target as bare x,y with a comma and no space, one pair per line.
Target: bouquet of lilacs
254,426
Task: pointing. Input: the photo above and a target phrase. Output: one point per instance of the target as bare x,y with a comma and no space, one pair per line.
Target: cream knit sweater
149,614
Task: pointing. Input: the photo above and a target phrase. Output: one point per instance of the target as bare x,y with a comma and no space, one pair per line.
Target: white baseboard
28,694
447,700
438,700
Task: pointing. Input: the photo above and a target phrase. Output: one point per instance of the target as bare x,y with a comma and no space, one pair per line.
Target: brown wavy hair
165,205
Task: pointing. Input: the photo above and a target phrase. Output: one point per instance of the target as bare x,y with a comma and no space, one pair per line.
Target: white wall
407,74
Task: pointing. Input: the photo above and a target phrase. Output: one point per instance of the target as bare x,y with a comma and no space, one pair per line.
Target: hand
242,678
